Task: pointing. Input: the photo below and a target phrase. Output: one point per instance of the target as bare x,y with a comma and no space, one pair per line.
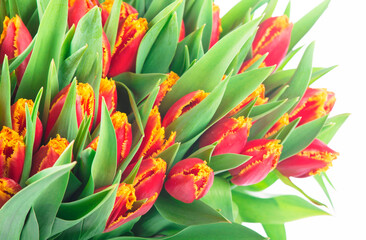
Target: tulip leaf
147,105
168,155
132,175
81,136
31,227
302,26
301,137
235,17
204,153
111,26
283,133
288,57
5,93
246,110
15,62
19,205
288,9
219,197
268,11
274,210
238,61
319,73
105,162
24,9
46,47
263,110
156,7
51,90
165,13
275,231
278,93
257,63
224,162
124,229
331,127
320,181
207,73
188,214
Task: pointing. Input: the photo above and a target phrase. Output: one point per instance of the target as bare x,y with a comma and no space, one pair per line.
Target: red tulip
259,92
14,39
78,8
123,134
182,32
265,154
216,25
190,179
107,56
183,105
316,103
18,121
128,41
48,154
8,188
154,141
126,10
108,91
230,134
316,158
84,105
166,87
283,121
12,152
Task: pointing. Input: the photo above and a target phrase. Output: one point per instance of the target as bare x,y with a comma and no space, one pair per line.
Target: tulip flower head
77,9
182,32
108,91
166,87
107,55
8,188
126,10
265,155
314,159
230,134
216,25
190,179
12,152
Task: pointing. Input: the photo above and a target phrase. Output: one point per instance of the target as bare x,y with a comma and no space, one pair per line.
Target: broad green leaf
224,162
51,90
81,136
283,133
245,111
41,7
302,26
132,175
204,153
111,26
301,137
288,9
5,93
331,127
268,11
278,93
31,228
163,14
156,7
288,57
274,210
168,155
275,231
320,72
47,47
262,110
238,61
257,63
24,9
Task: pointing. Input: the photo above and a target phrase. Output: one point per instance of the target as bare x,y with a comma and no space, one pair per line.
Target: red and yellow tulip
78,8
126,10
108,91
8,188
166,87
216,25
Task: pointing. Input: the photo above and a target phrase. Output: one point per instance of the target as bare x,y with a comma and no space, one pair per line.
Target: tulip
8,188
183,105
106,48
108,91
126,10
314,159
154,141
316,103
14,39
230,134
149,178
182,32
84,105
258,93
123,135
12,152
77,9
216,25
190,179
265,155
127,206
166,87
19,123
283,121
48,154
128,41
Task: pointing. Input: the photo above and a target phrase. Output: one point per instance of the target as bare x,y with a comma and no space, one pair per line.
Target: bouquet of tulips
146,119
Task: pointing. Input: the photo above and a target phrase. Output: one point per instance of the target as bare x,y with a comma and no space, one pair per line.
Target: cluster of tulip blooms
148,118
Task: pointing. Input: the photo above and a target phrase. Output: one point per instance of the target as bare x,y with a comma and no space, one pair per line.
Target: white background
340,39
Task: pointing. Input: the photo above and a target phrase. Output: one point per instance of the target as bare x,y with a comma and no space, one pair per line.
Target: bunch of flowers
155,118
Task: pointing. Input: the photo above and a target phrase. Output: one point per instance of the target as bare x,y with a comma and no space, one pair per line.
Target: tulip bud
108,91
316,103
123,135
189,180
19,122
283,121
14,39
265,155
316,158
149,178
48,154
183,105
8,188
154,141
216,25
12,152
77,9
128,41
259,92
106,48
84,105
230,134
182,32
126,10
166,87
127,206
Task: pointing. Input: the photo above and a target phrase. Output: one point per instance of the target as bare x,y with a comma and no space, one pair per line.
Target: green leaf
283,133
301,137
195,213
238,61
146,106
81,136
47,47
288,9
51,90
111,26
319,73
15,62
41,7
132,175
207,73
24,9
288,57
163,14
268,11
278,93
320,181
204,153
274,210
5,93
31,228
275,231
105,162
224,162
302,26
156,7
331,127
263,110
168,155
